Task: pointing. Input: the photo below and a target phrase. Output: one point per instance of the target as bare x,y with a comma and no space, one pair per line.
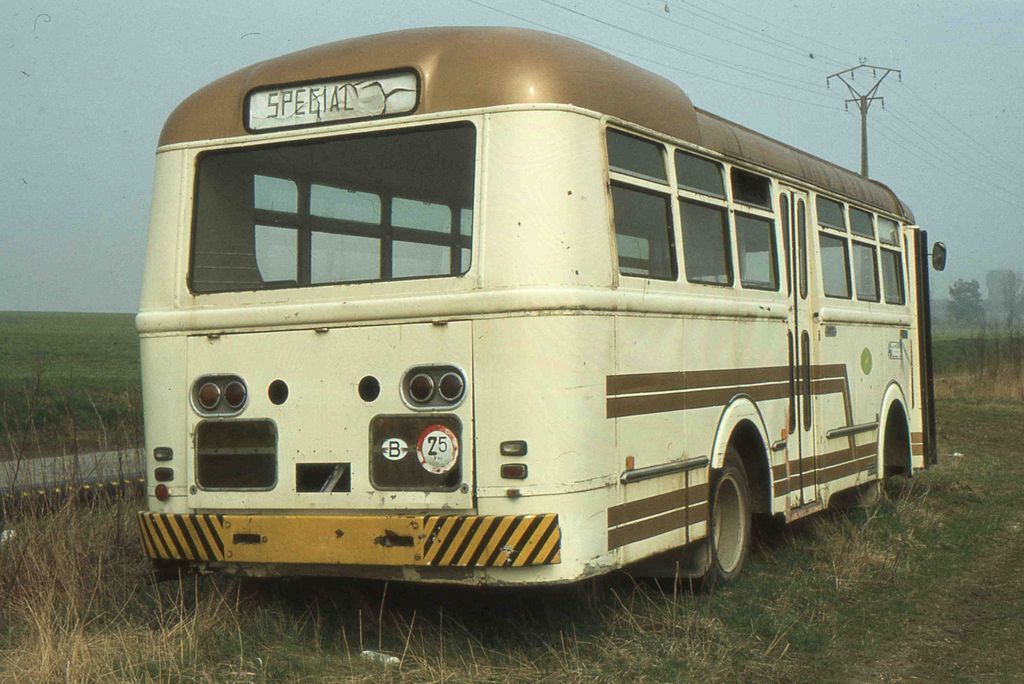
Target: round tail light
421,388
451,387
235,394
161,492
208,395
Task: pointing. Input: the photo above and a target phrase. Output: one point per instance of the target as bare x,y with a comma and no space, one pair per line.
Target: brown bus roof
466,68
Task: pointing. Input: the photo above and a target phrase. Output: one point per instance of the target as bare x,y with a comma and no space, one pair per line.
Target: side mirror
939,256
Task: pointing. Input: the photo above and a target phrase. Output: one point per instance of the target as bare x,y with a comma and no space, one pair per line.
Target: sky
86,87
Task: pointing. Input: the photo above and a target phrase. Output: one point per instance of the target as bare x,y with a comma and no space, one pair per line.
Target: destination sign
327,101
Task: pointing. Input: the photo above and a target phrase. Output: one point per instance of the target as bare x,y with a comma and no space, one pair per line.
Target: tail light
433,387
451,386
421,388
235,394
219,395
208,395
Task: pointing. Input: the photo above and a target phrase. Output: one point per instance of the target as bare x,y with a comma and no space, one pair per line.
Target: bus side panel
924,324
665,415
160,276
544,212
919,414
164,396
541,379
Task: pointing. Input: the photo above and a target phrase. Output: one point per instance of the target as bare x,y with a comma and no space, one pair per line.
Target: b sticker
394,448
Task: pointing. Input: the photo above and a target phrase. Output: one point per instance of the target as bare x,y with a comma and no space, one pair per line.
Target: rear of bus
361,344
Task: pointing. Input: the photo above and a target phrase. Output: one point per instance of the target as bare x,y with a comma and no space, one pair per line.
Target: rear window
377,207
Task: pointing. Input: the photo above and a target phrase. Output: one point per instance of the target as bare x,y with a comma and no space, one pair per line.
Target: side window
636,157
888,231
892,277
643,233
865,269
641,205
831,214
749,188
860,223
706,251
835,271
755,242
784,219
697,174
801,236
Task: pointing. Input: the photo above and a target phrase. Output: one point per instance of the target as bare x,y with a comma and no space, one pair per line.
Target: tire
729,522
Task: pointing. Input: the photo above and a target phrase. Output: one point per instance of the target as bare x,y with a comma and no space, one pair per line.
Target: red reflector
235,394
451,387
421,388
164,474
513,471
208,395
161,492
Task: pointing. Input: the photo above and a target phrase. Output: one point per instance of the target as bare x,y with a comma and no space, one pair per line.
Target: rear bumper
468,541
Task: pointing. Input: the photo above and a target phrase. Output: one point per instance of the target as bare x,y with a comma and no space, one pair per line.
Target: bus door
796,234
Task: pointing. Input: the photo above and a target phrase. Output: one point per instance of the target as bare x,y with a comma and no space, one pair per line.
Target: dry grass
79,605
984,365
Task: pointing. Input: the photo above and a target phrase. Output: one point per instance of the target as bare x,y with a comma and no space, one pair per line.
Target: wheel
729,522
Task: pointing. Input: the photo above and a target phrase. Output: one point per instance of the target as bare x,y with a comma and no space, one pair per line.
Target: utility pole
863,100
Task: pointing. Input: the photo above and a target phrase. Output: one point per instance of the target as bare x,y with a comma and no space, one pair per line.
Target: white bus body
607,383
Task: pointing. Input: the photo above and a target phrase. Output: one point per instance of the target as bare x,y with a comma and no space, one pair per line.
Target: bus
492,306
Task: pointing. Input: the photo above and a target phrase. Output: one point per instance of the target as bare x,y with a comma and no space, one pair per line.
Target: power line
664,16
665,65
756,33
768,76
977,146
978,171
893,138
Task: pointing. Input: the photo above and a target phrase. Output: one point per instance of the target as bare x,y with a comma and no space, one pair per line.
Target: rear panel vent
237,454
323,477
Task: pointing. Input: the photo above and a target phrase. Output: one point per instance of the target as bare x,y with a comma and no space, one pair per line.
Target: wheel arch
742,426
894,432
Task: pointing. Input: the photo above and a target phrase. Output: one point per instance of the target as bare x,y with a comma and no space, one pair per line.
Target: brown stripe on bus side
917,449
846,469
917,437
829,386
618,407
827,460
645,529
828,370
623,513
869,449
701,379
779,471
781,487
652,527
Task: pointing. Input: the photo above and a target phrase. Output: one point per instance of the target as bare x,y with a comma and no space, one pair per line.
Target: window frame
305,223
856,271
845,242
639,182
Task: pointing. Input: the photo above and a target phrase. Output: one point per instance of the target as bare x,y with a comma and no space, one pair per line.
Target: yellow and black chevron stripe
441,541
182,536
492,540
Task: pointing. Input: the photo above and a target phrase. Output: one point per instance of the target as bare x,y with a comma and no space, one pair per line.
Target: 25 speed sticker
437,449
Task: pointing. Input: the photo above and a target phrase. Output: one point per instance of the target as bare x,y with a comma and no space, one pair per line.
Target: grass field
68,381
913,587
923,585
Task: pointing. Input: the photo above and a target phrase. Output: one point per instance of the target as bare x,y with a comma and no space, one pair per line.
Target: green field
67,377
